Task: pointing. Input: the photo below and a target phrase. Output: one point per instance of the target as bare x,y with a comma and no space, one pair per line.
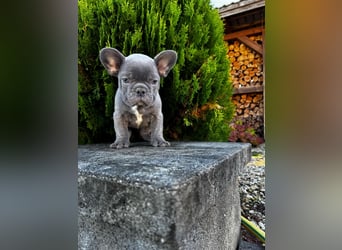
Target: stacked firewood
246,70
246,64
248,105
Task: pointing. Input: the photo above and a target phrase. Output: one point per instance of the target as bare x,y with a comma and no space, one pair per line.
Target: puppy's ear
112,59
165,61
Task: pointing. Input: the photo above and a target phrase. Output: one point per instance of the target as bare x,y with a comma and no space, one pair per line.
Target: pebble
252,188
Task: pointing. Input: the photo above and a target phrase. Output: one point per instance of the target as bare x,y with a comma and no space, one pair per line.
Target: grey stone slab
180,197
244,245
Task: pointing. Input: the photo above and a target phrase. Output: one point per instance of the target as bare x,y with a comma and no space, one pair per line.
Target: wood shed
244,33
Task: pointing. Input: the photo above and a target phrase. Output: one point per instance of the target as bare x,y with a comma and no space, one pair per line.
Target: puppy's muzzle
140,90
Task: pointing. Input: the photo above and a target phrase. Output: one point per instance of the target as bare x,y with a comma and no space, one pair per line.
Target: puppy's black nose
140,92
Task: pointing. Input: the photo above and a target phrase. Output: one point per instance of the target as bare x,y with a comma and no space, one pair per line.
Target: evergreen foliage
196,95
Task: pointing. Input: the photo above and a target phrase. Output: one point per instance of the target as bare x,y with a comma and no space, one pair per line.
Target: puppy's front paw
160,142
119,144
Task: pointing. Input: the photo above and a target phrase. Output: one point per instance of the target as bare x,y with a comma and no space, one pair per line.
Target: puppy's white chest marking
137,115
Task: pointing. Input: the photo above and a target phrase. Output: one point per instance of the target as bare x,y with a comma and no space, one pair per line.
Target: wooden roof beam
243,33
239,7
253,45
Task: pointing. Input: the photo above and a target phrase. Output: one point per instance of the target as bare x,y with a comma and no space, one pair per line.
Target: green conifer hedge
196,95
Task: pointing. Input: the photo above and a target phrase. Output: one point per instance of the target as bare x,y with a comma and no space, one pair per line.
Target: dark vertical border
38,131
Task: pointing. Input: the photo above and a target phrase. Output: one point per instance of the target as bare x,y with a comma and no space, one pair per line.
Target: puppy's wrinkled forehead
139,67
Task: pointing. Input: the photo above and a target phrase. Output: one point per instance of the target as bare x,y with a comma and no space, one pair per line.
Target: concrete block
181,197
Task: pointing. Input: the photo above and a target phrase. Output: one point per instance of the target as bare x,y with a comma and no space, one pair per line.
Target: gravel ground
252,192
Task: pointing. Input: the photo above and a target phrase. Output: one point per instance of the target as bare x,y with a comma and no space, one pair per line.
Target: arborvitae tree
196,95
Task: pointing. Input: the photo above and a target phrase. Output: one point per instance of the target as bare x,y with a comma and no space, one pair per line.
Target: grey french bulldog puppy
137,100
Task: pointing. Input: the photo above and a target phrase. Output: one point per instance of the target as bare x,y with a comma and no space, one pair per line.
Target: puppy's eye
154,81
124,79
